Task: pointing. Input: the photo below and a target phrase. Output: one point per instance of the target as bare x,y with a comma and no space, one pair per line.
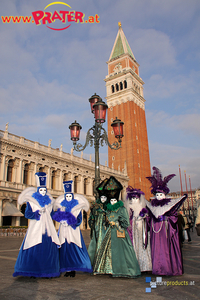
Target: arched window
125,84
53,180
25,179
121,86
112,88
10,170
76,184
117,87
85,186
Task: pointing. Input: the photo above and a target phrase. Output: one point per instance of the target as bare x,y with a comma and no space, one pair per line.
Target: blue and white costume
73,252
39,254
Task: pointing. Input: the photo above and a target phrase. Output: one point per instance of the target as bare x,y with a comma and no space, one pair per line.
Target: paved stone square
86,286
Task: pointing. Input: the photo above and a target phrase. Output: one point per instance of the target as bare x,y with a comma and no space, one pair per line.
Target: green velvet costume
97,223
116,255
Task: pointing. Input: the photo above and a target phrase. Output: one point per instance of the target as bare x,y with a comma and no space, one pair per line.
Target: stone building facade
21,158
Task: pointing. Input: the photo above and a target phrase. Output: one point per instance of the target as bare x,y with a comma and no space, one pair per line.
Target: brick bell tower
125,100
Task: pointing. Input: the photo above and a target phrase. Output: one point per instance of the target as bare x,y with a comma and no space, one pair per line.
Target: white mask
103,199
43,191
160,196
113,201
68,197
134,200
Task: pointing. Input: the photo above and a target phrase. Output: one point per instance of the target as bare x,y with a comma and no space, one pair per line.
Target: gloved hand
37,215
64,223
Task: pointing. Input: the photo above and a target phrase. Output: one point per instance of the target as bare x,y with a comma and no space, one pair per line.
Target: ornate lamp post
97,135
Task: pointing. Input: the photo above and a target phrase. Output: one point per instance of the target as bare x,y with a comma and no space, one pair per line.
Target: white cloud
189,124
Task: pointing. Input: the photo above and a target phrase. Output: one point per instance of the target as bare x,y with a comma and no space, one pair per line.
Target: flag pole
187,192
191,194
181,185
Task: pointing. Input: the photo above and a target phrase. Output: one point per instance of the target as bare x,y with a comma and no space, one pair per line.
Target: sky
47,76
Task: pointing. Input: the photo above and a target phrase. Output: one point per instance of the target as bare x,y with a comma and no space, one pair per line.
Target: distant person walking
181,225
187,227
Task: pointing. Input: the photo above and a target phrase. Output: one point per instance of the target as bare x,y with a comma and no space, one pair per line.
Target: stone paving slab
86,286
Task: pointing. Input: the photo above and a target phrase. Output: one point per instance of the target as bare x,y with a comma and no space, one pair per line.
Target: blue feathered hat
41,179
68,186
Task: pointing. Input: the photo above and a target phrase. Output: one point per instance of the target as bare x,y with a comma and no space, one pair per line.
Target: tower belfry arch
125,99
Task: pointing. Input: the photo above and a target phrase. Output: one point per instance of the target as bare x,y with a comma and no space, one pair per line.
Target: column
81,185
6,168
18,171
49,178
90,186
60,186
16,165
33,174
3,166
30,173
22,171
57,179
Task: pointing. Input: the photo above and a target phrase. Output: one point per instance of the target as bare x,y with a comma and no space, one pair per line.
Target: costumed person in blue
136,207
116,255
162,224
98,221
73,252
39,254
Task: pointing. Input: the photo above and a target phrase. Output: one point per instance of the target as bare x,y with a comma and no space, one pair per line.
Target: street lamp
97,135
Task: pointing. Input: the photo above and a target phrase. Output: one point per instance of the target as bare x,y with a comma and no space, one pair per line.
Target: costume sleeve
175,208
172,225
29,214
123,217
79,219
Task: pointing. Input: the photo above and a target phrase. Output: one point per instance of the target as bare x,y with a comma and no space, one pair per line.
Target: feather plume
159,184
168,178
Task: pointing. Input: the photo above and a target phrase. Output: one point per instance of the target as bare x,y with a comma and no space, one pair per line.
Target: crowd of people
128,236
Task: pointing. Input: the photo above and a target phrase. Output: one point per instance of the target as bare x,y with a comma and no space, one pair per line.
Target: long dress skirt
74,258
41,260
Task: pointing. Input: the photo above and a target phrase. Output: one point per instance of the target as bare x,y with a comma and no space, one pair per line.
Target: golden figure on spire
119,24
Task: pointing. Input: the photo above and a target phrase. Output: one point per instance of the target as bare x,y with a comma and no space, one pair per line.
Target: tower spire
121,45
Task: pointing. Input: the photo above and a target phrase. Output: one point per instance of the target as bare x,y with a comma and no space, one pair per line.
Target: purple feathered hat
159,185
133,193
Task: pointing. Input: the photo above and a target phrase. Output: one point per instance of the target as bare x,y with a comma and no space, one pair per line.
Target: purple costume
164,239
162,223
